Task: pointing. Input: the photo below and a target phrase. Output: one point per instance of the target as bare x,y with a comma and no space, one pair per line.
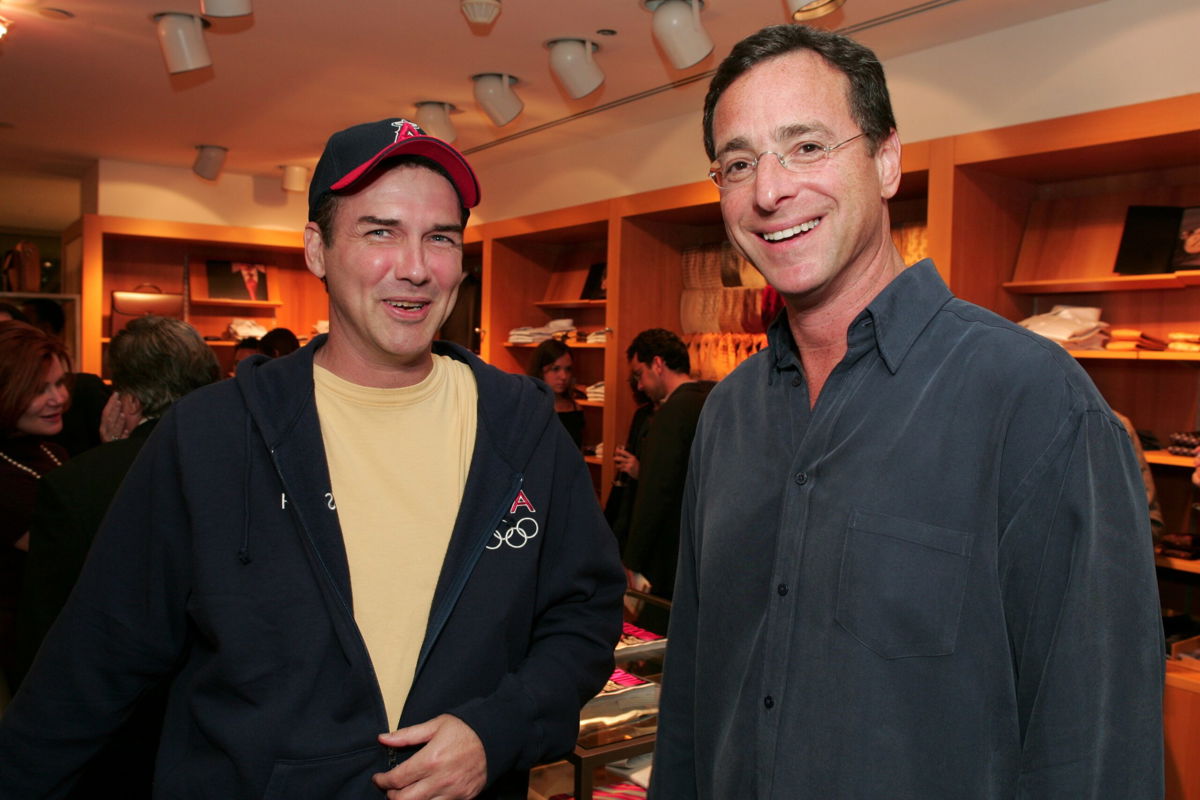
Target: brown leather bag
127,306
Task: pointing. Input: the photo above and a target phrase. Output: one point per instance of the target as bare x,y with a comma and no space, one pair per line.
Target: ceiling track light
495,95
572,63
434,118
226,8
182,39
678,30
295,178
209,160
480,12
805,10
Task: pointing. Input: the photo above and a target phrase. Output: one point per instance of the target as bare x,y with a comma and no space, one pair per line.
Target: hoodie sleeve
533,716
121,629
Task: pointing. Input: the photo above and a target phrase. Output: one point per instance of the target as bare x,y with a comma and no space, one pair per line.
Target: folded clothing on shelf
1185,443
1073,327
1134,339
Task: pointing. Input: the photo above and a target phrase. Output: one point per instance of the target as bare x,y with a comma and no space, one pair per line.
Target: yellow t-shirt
398,461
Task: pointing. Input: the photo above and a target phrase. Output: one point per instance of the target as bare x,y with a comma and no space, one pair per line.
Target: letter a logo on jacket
522,502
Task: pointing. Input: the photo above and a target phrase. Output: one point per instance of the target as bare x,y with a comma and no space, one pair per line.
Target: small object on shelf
1159,239
596,286
245,328
145,300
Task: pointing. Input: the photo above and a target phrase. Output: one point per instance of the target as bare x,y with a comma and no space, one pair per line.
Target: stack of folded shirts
555,328
1074,327
1183,342
1186,443
598,337
595,392
1134,339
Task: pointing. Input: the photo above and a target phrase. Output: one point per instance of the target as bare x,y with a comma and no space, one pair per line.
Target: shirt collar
899,313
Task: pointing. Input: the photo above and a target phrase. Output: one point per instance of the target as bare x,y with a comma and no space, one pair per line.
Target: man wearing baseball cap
373,565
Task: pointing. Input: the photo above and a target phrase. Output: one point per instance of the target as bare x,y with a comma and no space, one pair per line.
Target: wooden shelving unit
119,253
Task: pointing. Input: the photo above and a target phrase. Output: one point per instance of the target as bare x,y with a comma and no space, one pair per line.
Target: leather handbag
143,301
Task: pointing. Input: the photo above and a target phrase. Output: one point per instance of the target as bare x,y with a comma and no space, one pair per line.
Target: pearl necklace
30,470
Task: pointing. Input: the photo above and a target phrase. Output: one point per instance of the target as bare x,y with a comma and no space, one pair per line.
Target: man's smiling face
812,232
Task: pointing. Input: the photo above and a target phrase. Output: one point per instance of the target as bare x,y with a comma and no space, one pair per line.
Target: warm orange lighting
4,26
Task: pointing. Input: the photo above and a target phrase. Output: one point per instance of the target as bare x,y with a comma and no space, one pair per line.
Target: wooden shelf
594,460
589,404
571,303
1135,355
572,345
1169,459
1115,283
1180,564
210,303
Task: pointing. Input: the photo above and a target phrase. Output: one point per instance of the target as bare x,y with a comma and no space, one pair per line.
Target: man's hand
626,462
452,765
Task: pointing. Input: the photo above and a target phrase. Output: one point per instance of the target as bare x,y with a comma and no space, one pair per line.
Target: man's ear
887,162
314,250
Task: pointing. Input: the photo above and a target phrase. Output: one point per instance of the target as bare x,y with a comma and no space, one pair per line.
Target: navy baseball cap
354,153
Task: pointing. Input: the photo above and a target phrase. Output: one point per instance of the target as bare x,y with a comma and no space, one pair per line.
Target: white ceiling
95,86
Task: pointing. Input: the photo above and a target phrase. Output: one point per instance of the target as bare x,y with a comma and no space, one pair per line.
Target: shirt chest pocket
902,584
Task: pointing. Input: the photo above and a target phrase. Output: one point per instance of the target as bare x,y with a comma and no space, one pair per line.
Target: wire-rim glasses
736,170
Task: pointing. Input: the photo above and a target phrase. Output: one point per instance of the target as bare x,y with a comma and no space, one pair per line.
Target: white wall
142,190
1100,56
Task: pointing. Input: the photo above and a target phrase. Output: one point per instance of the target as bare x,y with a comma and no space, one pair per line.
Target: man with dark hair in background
154,361
915,559
660,367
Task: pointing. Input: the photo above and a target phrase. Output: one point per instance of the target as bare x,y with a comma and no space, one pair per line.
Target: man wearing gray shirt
915,559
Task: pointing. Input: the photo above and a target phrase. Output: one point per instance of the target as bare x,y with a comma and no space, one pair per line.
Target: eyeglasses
734,169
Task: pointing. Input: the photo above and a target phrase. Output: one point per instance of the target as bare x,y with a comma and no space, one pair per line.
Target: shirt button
796,381
801,478
768,702
782,589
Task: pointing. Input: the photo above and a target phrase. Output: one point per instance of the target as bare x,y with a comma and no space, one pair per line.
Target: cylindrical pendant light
495,95
679,32
295,178
182,40
226,8
571,61
804,10
434,118
209,160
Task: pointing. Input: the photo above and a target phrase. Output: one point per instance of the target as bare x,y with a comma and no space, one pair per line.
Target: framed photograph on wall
234,281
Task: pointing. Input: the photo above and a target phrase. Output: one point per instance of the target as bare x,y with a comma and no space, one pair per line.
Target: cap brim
436,150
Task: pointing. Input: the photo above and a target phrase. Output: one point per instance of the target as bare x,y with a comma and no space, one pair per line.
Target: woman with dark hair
34,371
552,363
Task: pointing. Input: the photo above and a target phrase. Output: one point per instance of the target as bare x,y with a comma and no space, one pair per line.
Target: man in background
915,554
154,361
375,565
660,367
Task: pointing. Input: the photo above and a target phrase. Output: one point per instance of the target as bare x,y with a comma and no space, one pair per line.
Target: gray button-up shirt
936,583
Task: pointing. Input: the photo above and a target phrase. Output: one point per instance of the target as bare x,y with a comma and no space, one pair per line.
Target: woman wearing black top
552,363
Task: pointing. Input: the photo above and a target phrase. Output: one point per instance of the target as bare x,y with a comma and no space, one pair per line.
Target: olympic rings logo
517,535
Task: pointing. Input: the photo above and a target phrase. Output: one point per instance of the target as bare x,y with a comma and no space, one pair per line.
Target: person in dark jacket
154,361
376,564
659,363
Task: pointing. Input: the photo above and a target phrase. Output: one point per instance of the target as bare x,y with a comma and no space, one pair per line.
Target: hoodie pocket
337,777
902,584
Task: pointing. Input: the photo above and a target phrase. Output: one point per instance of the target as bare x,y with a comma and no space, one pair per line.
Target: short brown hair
25,354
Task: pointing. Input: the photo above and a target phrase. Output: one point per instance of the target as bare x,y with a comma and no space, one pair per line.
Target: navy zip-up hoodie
221,566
